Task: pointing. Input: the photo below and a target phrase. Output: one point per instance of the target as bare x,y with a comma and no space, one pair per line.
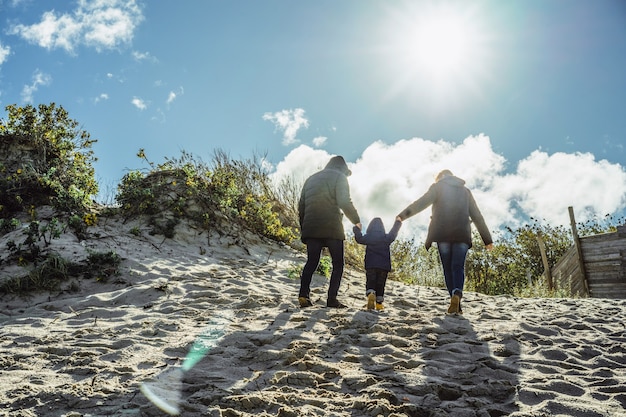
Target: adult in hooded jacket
324,200
453,207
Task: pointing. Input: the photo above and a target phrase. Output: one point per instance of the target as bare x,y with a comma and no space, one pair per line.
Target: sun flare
439,46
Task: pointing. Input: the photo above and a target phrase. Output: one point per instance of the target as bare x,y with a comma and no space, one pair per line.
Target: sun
441,46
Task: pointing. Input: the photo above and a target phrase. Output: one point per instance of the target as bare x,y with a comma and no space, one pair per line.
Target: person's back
377,259
377,243
453,210
325,195
450,211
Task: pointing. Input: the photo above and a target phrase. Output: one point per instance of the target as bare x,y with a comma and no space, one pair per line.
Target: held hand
398,218
489,246
359,225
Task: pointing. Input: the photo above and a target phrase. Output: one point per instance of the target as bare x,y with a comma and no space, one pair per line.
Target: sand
87,353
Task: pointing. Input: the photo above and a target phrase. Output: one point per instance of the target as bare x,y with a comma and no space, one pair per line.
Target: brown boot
455,305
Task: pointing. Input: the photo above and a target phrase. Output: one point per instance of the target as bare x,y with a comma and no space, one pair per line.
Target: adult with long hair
453,210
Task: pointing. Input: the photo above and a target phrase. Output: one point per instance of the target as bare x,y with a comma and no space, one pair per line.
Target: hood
376,226
337,163
453,181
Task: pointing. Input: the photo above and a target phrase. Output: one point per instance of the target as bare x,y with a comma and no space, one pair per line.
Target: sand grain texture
86,353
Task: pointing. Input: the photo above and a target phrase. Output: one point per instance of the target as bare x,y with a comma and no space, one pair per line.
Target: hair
444,173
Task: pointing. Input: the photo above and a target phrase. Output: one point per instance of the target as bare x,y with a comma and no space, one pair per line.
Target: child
377,259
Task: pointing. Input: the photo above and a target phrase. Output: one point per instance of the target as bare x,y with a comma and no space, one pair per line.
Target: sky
524,100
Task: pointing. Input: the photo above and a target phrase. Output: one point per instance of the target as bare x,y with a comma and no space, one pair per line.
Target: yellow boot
455,305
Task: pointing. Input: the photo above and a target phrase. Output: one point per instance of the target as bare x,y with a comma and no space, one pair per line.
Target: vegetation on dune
46,161
225,193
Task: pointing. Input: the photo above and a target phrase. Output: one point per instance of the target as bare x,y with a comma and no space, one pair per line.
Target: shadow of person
466,371
278,359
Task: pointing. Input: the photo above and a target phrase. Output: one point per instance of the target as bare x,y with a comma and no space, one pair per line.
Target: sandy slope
86,353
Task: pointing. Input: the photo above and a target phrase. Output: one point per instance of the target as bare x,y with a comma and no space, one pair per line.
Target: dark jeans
314,252
375,280
452,255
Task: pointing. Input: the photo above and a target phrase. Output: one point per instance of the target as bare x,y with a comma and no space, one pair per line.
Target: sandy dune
87,353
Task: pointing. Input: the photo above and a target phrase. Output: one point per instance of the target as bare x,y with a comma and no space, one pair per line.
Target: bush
45,160
239,191
413,264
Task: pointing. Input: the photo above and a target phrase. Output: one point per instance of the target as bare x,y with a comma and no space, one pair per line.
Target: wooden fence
594,267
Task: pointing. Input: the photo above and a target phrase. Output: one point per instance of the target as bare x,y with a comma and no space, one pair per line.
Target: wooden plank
600,263
607,283
605,246
607,288
610,277
604,258
565,260
611,296
613,276
602,269
616,295
610,285
609,249
544,258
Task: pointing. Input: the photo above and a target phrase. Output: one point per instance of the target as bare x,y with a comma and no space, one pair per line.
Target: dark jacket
325,195
453,207
377,252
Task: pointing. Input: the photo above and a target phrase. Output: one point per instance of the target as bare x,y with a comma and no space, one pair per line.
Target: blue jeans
314,252
452,255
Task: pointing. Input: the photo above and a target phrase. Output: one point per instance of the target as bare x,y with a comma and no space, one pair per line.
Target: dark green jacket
453,208
325,195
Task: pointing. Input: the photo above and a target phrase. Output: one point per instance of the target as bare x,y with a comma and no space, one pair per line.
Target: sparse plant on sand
239,191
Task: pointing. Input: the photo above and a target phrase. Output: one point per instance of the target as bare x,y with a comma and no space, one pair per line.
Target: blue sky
522,99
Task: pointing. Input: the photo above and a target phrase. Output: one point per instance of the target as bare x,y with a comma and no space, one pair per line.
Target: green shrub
44,160
413,264
48,273
101,265
325,266
186,187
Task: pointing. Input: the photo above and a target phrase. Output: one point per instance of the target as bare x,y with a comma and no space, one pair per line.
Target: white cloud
388,177
39,79
143,56
101,24
139,103
5,51
545,185
300,163
174,95
103,96
289,122
320,141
